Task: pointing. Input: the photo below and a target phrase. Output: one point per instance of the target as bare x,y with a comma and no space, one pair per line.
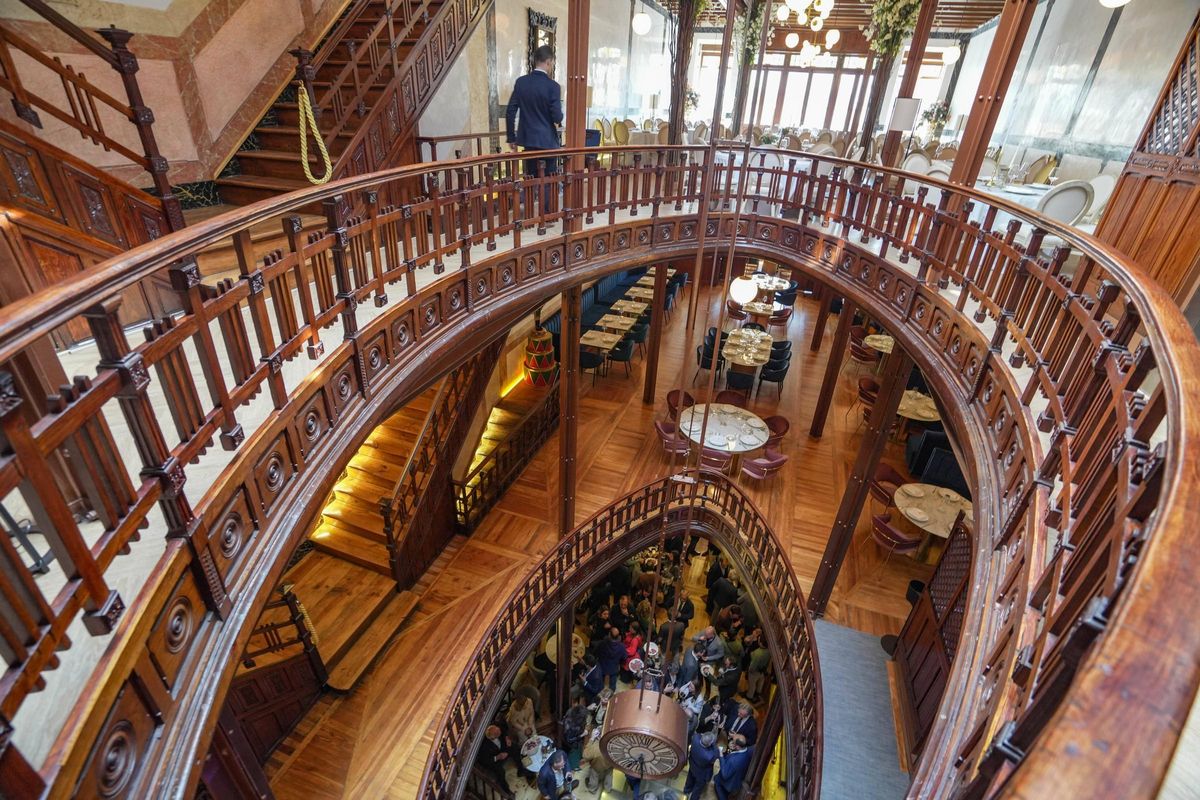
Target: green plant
892,21
691,99
936,115
746,32
768,138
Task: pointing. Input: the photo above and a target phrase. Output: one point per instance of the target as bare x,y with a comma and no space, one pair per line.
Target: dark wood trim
912,70
568,431
833,365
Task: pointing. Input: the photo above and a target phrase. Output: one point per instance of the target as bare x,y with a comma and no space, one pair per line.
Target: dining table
629,307
616,322
535,752
645,280
770,283
1028,195
758,308
640,293
730,429
747,348
932,509
578,648
599,340
880,341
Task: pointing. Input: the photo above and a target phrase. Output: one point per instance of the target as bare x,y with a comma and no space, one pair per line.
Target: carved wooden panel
274,471
268,702
232,535
175,629
114,763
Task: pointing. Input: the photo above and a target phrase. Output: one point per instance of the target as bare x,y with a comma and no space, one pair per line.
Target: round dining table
730,429
746,347
931,508
880,341
535,752
770,283
577,648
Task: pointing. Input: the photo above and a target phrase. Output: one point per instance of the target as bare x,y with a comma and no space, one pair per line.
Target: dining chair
704,360
677,400
664,134
715,460
620,133
937,173
638,335
884,483
779,427
868,393
1067,202
589,360
783,346
780,318
731,397
606,130
764,467
891,538
859,352
733,310
668,436
622,353
916,162
774,376
1102,189
741,382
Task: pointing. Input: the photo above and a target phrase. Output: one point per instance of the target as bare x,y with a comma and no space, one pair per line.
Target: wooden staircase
351,527
355,72
504,418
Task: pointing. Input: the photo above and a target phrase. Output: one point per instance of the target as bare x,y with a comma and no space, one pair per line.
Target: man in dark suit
535,111
555,778
733,768
701,757
494,754
743,724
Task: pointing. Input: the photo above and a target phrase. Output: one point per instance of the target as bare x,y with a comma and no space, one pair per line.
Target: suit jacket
748,728
701,760
733,769
593,680
687,610
722,593
538,99
545,780
610,654
489,753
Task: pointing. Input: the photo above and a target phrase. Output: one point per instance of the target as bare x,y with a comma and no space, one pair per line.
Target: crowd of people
638,625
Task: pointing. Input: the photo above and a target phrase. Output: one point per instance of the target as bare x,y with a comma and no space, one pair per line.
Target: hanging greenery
892,22
747,29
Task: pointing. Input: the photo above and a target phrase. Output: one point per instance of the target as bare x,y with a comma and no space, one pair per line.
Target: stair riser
279,169
352,558
290,116
244,195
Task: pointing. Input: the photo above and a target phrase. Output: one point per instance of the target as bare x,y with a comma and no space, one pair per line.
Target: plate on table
715,440
913,491
531,746
1039,185
1021,190
948,494
916,515
750,439
755,422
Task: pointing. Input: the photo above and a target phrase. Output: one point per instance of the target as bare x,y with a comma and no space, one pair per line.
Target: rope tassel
308,124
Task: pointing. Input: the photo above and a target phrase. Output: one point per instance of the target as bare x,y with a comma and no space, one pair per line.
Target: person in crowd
622,613
756,673
610,655
549,670
593,678
701,757
711,717
521,721
495,753
722,593
600,624
732,768
714,647
727,679
534,113
574,731
555,779
735,648
671,634
728,621
687,609
743,724
691,701
749,612
644,576
633,649
716,571
645,615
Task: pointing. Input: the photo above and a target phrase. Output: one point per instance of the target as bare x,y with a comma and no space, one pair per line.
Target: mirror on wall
542,28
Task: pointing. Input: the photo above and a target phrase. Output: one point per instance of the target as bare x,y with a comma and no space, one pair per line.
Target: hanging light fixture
818,23
1114,3
802,20
823,6
782,13
951,54
832,37
640,22
797,5
792,40
743,290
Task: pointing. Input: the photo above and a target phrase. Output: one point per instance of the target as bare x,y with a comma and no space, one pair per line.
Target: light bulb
951,54
817,24
832,37
825,14
801,19
743,290
782,13
797,5
641,23
792,40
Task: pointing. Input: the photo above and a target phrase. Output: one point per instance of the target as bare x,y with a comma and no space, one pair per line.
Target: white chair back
940,173
1102,188
916,162
823,149
1067,202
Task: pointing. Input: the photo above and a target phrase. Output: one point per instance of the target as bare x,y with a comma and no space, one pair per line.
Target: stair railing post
306,73
126,65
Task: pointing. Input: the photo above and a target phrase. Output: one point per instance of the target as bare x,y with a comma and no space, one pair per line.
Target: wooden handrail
1066,370
71,29
692,502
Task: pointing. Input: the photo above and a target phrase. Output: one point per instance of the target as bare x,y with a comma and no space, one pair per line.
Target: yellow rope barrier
307,124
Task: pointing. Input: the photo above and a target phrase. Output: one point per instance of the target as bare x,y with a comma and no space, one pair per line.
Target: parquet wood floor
374,741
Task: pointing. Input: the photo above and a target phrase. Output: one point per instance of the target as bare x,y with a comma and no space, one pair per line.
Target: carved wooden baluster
376,252
252,277
292,228
335,218
178,385
463,198
103,606
157,460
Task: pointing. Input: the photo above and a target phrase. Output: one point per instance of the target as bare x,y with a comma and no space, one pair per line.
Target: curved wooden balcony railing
1064,367
702,503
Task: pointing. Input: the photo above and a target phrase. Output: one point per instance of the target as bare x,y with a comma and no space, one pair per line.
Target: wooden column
658,314
833,366
895,377
760,759
566,628
823,303
681,59
883,68
568,399
578,16
912,68
993,87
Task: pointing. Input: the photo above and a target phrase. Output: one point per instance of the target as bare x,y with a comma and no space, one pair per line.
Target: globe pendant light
832,37
797,5
792,40
782,13
1114,3
743,290
951,54
640,23
818,23
802,20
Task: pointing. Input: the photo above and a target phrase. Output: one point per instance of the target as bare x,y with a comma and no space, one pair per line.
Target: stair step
243,189
287,137
371,482
383,465
366,647
355,518
280,163
353,548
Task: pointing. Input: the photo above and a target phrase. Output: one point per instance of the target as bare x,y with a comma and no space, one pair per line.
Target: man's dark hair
543,54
